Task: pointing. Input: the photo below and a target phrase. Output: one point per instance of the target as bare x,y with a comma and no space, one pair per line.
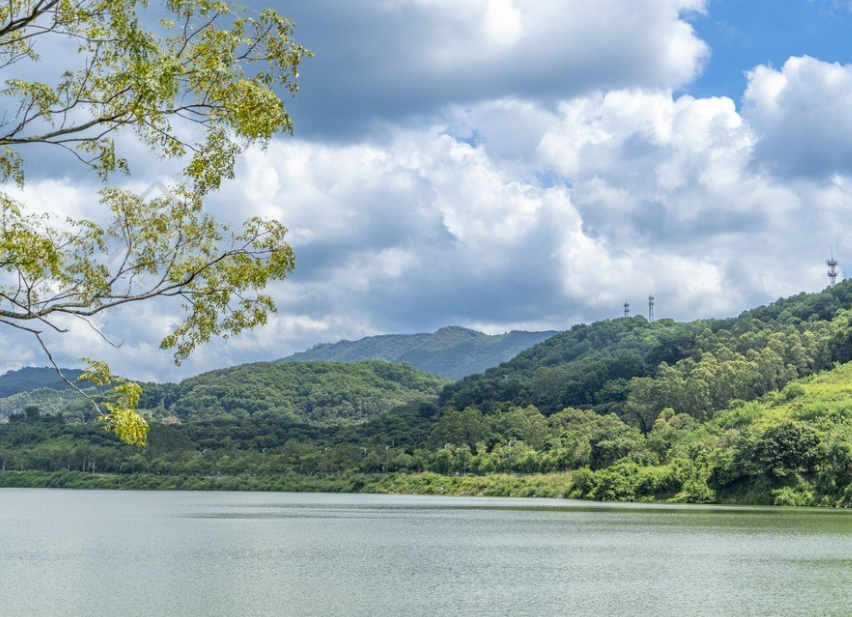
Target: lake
174,554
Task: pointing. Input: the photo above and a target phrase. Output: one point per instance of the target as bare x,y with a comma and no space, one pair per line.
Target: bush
656,481
617,483
697,491
792,496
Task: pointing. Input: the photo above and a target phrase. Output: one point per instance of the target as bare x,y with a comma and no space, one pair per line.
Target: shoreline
427,483
545,486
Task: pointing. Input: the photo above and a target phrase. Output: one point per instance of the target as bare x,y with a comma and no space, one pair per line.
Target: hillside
42,388
312,392
49,402
752,409
32,378
451,352
636,368
792,447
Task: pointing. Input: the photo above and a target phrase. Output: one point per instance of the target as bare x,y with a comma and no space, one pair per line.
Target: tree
787,447
194,81
840,342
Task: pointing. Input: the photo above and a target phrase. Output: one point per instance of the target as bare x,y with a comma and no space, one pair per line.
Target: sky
525,164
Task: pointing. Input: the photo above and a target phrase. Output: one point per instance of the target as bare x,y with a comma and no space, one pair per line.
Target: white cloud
606,199
421,55
552,176
800,112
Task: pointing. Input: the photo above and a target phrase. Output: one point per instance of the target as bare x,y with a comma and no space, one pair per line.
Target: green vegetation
30,378
320,393
756,409
195,83
792,448
451,352
314,392
495,485
698,367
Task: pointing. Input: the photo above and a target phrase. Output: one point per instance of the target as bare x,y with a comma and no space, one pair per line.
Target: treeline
744,409
413,439
636,369
792,447
321,393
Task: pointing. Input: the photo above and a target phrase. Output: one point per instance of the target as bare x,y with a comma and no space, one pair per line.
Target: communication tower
650,309
832,270
627,309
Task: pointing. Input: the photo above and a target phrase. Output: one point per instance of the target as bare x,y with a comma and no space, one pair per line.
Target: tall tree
196,82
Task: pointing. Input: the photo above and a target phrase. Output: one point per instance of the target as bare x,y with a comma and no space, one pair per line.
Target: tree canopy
753,409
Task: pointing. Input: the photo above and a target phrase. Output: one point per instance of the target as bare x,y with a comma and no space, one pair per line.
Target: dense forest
31,378
753,409
315,393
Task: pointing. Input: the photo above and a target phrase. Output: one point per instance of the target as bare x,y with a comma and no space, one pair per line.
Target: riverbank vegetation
756,409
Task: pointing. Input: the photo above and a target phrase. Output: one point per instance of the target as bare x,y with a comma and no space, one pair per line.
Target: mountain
31,378
317,393
751,409
452,352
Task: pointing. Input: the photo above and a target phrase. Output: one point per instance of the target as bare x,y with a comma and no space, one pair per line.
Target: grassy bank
553,485
623,484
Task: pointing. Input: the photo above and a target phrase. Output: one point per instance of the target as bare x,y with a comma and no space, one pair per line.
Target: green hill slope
31,378
49,402
313,392
792,447
320,393
451,352
752,409
636,369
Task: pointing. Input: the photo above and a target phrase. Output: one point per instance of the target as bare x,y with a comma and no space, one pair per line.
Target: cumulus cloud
440,232
387,60
800,112
646,166
550,174
509,213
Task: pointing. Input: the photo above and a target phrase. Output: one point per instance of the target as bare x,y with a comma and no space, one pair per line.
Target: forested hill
452,352
636,369
319,393
31,378
753,409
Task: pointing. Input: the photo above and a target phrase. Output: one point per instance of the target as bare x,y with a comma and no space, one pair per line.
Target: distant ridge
452,352
32,378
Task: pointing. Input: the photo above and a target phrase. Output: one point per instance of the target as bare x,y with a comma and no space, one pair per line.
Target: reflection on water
123,554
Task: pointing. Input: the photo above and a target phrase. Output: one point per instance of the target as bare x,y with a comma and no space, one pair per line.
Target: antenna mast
832,270
627,309
650,309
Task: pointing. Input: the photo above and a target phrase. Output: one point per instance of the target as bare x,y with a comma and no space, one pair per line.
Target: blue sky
746,33
526,164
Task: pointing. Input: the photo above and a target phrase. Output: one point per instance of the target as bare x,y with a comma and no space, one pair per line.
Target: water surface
174,554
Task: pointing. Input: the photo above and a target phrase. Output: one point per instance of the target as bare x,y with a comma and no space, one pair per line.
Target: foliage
637,369
197,86
748,415
785,451
315,392
30,378
117,403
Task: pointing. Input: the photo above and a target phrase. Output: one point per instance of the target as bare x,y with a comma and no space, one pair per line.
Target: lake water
172,554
